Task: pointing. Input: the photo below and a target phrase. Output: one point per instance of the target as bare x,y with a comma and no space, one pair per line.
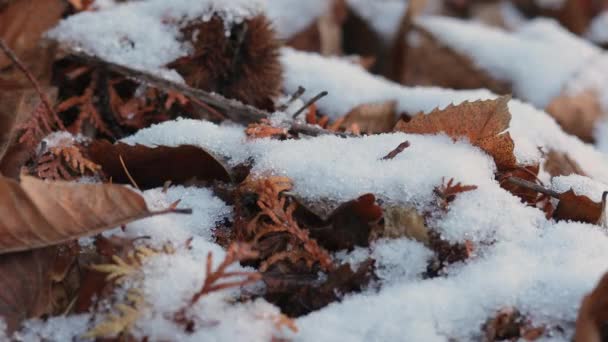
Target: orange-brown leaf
578,208
483,123
593,313
373,117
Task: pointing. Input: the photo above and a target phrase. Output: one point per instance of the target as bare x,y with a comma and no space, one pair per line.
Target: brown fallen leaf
36,213
23,23
151,167
349,225
560,164
578,208
483,122
577,114
593,314
25,285
373,118
22,127
430,62
525,172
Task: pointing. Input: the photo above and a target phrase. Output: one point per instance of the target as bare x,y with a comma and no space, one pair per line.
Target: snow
59,328
291,17
145,34
349,86
383,16
581,185
598,29
541,77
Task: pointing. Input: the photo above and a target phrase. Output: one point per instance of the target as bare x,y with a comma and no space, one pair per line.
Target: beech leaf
35,213
483,122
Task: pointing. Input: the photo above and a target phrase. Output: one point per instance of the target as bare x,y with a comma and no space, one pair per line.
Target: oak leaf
483,122
35,213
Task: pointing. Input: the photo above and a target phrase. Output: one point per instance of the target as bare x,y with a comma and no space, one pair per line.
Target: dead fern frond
213,278
121,268
64,160
264,129
121,322
36,127
87,111
273,207
447,191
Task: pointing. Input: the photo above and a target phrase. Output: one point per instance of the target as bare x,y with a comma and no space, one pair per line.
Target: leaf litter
455,225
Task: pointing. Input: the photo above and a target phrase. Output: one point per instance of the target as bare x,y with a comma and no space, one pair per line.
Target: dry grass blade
36,213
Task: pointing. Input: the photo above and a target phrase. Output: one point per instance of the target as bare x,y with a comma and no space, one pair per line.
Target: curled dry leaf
36,213
25,285
510,324
579,208
528,173
373,118
151,167
593,314
482,122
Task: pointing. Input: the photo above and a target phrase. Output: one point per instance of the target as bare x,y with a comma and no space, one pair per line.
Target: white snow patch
581,185
291,17
384,16
58,328
500,53
598,30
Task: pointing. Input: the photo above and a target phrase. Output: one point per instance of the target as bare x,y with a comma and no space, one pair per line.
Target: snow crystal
541,77
294,16
544,277
225,140
384,16
207,211
57,328
145,34
581,185
399,260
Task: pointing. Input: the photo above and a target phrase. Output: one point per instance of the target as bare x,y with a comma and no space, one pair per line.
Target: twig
45,100
310,102
314,131
232,109
298,93
392,154
208,108
124,167
532,186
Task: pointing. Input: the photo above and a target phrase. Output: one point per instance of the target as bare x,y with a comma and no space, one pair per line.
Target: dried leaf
151,167
25,285
23,23
23,124
392,154
429,62
373,118
593,314
578,208
447,191
482,122
350,224
528,173
36,213
560,164
577,114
